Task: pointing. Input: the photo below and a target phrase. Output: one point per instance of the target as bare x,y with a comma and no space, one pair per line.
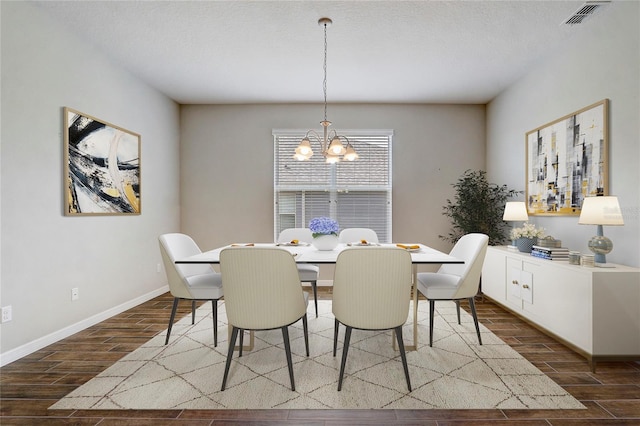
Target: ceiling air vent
584,12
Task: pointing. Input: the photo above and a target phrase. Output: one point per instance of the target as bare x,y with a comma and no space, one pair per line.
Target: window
355,193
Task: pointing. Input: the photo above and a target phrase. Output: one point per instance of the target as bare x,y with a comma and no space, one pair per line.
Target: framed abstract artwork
566,161
101,167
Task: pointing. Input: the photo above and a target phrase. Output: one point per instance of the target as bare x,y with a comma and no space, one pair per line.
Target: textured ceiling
272,51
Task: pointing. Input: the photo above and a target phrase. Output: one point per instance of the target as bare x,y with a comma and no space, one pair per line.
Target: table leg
414,289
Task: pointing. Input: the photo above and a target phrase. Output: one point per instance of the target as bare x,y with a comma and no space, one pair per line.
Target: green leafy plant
478,207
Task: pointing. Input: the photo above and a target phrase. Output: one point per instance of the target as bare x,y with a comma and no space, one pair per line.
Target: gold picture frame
566,161
101,167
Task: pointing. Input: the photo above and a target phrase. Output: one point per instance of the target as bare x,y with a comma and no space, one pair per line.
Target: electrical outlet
75,294
6,314
158,268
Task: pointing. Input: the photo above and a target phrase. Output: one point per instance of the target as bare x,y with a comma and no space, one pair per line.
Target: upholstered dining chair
350,235
262,292
456,282
189,282
371,291
308,272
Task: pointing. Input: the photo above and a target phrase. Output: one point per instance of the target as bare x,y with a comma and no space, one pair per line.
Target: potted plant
325,233
478,207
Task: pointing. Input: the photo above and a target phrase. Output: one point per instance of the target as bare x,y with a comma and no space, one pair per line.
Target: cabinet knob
514,282
525,286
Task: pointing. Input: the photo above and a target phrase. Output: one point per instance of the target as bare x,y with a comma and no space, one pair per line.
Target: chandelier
330,143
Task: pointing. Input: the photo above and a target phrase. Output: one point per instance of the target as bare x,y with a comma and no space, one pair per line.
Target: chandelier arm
314,134
345,138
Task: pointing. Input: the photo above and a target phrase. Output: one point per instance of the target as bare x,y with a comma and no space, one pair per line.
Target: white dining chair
371,291
189,282
308,272
352,235
456,282
262,291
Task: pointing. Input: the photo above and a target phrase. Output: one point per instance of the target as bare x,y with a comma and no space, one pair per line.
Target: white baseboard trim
35,345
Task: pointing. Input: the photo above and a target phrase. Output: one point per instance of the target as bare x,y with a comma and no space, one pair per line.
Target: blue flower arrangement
323,226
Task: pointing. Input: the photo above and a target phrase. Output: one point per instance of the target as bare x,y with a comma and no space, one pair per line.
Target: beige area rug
456,373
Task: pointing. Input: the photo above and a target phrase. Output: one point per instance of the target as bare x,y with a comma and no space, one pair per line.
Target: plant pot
525,244
325,242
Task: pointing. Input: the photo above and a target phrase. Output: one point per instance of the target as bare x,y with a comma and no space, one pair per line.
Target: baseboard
35,345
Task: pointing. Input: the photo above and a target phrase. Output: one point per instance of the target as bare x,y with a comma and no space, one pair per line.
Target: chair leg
458,310
432,311
314,285
305,327
345,350
287,349
403,355
193,312
173,316
241,343
472,305
232,343
335,336
214,307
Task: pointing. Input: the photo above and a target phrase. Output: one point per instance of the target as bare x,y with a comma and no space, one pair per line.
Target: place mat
456,373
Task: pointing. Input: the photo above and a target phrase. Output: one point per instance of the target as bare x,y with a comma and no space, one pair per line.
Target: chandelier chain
324,82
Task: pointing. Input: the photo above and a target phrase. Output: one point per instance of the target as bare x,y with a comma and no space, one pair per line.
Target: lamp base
604,265
600,246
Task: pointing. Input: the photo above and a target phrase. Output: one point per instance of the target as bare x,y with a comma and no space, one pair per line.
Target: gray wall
602,61
227,164
112,260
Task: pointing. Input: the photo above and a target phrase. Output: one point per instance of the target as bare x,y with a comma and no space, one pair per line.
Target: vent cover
584,12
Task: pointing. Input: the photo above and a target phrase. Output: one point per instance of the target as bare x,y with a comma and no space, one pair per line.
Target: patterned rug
456,373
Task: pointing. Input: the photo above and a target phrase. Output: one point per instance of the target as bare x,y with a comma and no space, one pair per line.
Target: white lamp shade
351,154
304,148
515,211
601,211
336,147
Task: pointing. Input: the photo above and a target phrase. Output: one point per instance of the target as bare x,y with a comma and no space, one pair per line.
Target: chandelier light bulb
332,159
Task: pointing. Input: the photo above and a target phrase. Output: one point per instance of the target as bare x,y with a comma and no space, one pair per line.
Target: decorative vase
325,242
525,244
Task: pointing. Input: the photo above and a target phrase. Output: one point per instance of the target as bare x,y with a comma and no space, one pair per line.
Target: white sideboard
595,311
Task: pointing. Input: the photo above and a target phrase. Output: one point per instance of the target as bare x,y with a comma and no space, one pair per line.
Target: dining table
421,254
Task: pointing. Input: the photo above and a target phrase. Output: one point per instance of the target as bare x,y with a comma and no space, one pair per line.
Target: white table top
309,254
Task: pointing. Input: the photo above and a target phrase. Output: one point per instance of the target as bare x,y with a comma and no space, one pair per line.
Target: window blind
355,193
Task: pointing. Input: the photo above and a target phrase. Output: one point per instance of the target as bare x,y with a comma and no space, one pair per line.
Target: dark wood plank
29,386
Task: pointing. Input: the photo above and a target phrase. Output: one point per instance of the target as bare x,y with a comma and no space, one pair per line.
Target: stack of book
558,253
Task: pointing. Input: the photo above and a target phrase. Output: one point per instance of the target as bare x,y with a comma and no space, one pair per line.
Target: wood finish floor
32,384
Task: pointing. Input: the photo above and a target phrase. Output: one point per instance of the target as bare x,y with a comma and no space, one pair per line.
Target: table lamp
600,211
515,211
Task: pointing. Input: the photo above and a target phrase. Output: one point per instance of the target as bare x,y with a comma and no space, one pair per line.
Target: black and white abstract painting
567,161
102,167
